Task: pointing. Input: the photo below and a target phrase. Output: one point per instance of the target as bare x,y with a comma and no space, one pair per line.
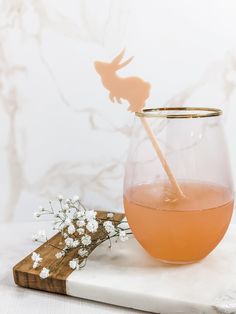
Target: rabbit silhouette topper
133,89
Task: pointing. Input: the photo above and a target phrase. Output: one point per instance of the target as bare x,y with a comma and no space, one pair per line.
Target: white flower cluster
36,258
78,227
44,273
40,236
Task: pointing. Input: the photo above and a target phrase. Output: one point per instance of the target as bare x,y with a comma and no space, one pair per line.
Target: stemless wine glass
174,228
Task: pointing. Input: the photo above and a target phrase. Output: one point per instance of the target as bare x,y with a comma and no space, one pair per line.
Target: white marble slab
127,276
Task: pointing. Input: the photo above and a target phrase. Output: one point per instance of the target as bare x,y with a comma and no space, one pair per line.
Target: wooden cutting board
26,276
126,276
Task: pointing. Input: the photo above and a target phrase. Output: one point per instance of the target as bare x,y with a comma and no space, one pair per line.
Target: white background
59,131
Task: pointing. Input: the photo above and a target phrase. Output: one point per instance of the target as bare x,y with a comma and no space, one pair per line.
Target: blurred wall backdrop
59,131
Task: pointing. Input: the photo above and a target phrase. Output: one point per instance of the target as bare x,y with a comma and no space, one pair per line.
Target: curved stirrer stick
135,91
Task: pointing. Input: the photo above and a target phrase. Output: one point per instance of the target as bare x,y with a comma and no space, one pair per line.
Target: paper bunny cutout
133,89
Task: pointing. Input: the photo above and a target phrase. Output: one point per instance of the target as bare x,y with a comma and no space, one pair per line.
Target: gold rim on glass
185,112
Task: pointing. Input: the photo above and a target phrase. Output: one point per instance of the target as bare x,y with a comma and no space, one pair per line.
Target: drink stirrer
135,91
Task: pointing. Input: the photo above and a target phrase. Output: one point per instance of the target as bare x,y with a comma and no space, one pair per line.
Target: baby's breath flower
40,236
82,252
80,223
75,243
90,214
86,240
80,213
69,242
60,197
60,254
71,229
68,201
67,221
80,231
66,207
76,225
74,264
35,237
92,226
36,258
123,236
35,265
37,215
44,273
110,215
109,227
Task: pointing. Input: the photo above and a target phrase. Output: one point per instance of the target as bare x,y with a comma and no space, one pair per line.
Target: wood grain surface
26,276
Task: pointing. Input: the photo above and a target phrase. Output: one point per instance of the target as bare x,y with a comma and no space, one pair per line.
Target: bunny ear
118,58
124,63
